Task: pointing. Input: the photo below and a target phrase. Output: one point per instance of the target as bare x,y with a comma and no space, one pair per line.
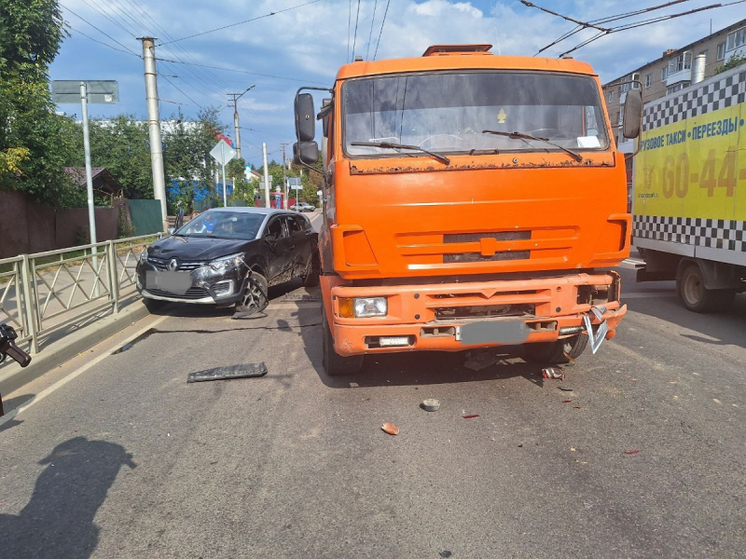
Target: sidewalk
61,346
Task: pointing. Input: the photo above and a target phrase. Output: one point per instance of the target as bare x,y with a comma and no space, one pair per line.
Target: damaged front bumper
202,286
459,316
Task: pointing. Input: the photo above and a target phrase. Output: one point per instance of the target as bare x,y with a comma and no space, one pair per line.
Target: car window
294,225
232,225
275,228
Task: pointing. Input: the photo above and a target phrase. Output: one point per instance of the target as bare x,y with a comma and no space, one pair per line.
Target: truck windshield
446,112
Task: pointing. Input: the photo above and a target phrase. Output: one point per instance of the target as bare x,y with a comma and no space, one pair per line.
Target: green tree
32,142
189,166
242,188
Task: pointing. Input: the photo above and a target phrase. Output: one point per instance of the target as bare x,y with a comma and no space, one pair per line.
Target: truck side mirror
305,153
632,114
305,125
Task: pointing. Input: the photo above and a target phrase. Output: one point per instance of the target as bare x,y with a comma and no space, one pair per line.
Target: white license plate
173,282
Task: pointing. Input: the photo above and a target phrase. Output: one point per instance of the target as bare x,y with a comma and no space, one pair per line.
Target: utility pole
236,97
154,125
266,177
284,179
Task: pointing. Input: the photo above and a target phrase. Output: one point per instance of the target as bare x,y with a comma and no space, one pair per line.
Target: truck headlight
225,263
362,307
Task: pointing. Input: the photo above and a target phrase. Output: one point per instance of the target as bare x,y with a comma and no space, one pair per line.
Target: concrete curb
13,376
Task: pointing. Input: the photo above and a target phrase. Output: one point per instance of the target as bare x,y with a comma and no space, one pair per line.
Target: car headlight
225,263
144,255
362,307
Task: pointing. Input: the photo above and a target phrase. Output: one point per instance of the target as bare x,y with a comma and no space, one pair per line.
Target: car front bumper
205,286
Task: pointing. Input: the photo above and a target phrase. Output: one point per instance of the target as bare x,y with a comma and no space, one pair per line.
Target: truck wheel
561,351
699,299
335,364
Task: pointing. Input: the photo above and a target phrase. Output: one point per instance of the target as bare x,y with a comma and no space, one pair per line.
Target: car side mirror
171,230
632,121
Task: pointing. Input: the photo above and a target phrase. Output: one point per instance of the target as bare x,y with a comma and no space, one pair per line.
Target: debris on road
125,347
632,451
553,373
565,388
390,428
472,416
225,373
430,404
445,553
566,401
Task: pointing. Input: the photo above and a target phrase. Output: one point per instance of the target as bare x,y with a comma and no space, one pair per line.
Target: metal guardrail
47,291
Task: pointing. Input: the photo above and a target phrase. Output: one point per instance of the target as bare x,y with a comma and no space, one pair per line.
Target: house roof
103,180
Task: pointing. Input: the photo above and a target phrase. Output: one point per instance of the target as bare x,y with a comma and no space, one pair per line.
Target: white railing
46,292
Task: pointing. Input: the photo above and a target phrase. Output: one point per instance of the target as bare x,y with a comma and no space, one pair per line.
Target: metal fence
45,292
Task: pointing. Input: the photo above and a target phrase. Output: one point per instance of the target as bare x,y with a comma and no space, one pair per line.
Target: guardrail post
28,300
113,274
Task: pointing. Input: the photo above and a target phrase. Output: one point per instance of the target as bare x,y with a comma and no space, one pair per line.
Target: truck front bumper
461,316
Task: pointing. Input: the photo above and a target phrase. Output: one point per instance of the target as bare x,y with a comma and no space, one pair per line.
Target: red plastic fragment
632,451
471,416
566,401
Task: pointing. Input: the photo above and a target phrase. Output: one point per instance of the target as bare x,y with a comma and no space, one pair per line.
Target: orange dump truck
470,201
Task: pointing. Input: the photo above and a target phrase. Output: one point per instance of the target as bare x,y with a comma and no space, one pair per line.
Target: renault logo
173,264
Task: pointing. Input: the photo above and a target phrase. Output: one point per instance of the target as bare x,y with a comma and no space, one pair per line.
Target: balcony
684,75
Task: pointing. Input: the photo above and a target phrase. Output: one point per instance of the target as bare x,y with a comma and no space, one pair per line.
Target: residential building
675,70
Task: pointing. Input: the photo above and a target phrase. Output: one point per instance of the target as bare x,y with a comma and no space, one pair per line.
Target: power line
79,32
99,30
383,21
241,22
240,71
354,37
370,35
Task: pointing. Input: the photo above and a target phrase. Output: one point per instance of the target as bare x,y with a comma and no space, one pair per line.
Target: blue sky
306,41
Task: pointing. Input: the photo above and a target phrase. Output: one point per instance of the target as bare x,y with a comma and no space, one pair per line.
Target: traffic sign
222,152
99,91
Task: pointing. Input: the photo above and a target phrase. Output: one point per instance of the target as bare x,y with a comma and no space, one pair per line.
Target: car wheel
556,353
311,274
153,305
255,296
697,297
335,364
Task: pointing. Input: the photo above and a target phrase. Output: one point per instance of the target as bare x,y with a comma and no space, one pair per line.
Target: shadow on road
411,368
58,520
720,329
10,405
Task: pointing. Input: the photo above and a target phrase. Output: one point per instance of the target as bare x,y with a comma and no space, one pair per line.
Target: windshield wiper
389,145
523,136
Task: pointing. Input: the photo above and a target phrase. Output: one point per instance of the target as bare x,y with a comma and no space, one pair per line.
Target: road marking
59,384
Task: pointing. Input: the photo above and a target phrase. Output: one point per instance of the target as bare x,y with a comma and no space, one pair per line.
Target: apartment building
676,70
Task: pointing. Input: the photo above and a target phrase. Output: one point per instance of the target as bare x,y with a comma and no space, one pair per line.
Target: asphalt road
123,458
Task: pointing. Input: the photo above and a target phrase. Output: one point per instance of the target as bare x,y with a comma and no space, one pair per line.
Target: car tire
556,353
313,267
335,364
153,305
696,297
256,296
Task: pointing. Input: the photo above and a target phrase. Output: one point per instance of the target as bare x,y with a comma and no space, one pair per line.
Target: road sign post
98,92
223,153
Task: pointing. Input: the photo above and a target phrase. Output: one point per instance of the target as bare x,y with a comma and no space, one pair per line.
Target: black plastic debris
125,347
446,553
231,372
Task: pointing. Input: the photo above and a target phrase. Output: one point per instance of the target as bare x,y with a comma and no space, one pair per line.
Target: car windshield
228,225
447,112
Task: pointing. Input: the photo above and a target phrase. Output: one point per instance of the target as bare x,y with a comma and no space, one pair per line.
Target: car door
278,245
299,240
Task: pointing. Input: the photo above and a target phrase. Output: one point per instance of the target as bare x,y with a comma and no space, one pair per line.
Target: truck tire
556,353
335,364
696,297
